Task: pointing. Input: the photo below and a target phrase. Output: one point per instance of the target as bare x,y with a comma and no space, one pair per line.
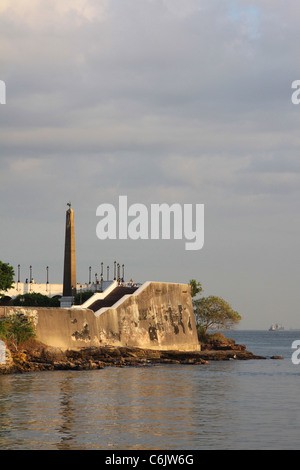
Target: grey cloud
161,100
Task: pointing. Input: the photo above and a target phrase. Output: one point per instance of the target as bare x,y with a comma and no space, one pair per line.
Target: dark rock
41,357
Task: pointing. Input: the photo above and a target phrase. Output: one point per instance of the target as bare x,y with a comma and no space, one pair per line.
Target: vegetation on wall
16,329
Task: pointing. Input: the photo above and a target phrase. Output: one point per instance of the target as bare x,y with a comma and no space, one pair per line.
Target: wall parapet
156,316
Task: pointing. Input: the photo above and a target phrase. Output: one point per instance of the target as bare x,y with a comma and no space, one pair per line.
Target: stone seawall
159,316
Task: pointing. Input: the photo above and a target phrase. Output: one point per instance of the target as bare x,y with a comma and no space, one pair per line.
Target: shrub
16,329
82,297
206,337
33,300
5,300
54,301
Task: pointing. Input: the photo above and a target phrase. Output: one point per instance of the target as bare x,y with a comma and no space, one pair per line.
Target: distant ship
276,327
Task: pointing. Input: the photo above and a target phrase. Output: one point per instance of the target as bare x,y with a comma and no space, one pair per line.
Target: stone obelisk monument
69,286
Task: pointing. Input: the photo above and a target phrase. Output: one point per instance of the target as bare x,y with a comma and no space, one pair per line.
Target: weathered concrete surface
159,316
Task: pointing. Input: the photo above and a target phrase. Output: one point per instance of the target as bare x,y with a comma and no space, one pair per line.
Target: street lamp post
18,277
30,277
47,271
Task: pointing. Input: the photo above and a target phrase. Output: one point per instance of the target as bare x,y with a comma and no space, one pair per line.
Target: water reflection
66,412
156,407
161,407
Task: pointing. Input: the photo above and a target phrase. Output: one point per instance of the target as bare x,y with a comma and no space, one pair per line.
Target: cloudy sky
165,101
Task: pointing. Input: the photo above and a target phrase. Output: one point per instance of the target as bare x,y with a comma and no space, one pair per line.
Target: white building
21,288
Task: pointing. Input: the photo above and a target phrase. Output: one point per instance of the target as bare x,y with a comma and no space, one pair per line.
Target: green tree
6,277
196,287
214,313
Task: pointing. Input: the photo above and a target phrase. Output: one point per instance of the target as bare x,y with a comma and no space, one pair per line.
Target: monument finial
69,204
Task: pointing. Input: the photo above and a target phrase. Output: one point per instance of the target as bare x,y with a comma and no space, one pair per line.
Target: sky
164,101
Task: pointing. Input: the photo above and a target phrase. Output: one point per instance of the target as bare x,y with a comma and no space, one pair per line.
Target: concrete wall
156,316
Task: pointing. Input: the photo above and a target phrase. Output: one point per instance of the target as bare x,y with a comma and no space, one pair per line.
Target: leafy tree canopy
211,313
6,277
214,313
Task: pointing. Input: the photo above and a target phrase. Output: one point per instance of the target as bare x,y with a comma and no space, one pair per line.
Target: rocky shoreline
39,357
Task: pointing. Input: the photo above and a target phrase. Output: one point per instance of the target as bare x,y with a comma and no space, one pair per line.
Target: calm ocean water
224,405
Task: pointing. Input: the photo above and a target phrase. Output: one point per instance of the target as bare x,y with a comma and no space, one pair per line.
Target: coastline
39,357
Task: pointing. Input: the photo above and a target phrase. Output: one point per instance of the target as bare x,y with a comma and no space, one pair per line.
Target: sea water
251,404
